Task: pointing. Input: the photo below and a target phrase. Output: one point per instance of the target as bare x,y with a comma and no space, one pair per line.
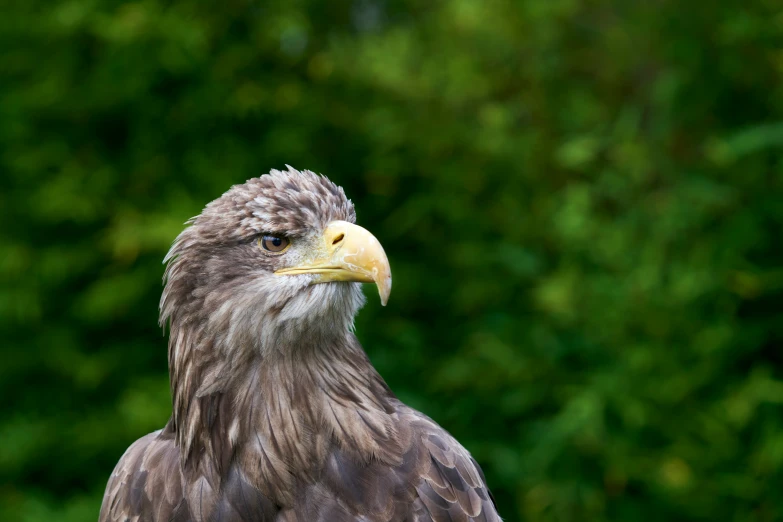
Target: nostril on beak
338,239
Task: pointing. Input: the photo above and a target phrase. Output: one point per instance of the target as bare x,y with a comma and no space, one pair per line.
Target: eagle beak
349,253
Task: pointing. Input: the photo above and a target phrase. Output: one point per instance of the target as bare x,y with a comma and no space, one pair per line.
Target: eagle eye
274,244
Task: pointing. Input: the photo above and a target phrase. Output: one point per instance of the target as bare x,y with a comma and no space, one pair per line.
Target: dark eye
274,244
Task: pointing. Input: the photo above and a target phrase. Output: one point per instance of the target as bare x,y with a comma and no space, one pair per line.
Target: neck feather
277,413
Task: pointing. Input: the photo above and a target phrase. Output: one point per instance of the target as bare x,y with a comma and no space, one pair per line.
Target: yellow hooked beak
348,253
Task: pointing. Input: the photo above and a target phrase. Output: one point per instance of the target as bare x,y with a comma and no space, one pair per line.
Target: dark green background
582,203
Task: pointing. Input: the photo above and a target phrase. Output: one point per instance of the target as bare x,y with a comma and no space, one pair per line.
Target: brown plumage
278,415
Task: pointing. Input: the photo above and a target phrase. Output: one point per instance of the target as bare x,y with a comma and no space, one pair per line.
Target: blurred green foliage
582,203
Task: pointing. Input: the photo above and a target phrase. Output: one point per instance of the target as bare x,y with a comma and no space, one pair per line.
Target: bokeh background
582,202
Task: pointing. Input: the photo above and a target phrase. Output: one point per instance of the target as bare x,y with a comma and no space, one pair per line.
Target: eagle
278,414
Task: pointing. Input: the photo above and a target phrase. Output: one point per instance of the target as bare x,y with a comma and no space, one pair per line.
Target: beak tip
384,289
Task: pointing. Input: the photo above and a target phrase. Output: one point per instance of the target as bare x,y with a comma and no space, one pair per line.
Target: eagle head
271,259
